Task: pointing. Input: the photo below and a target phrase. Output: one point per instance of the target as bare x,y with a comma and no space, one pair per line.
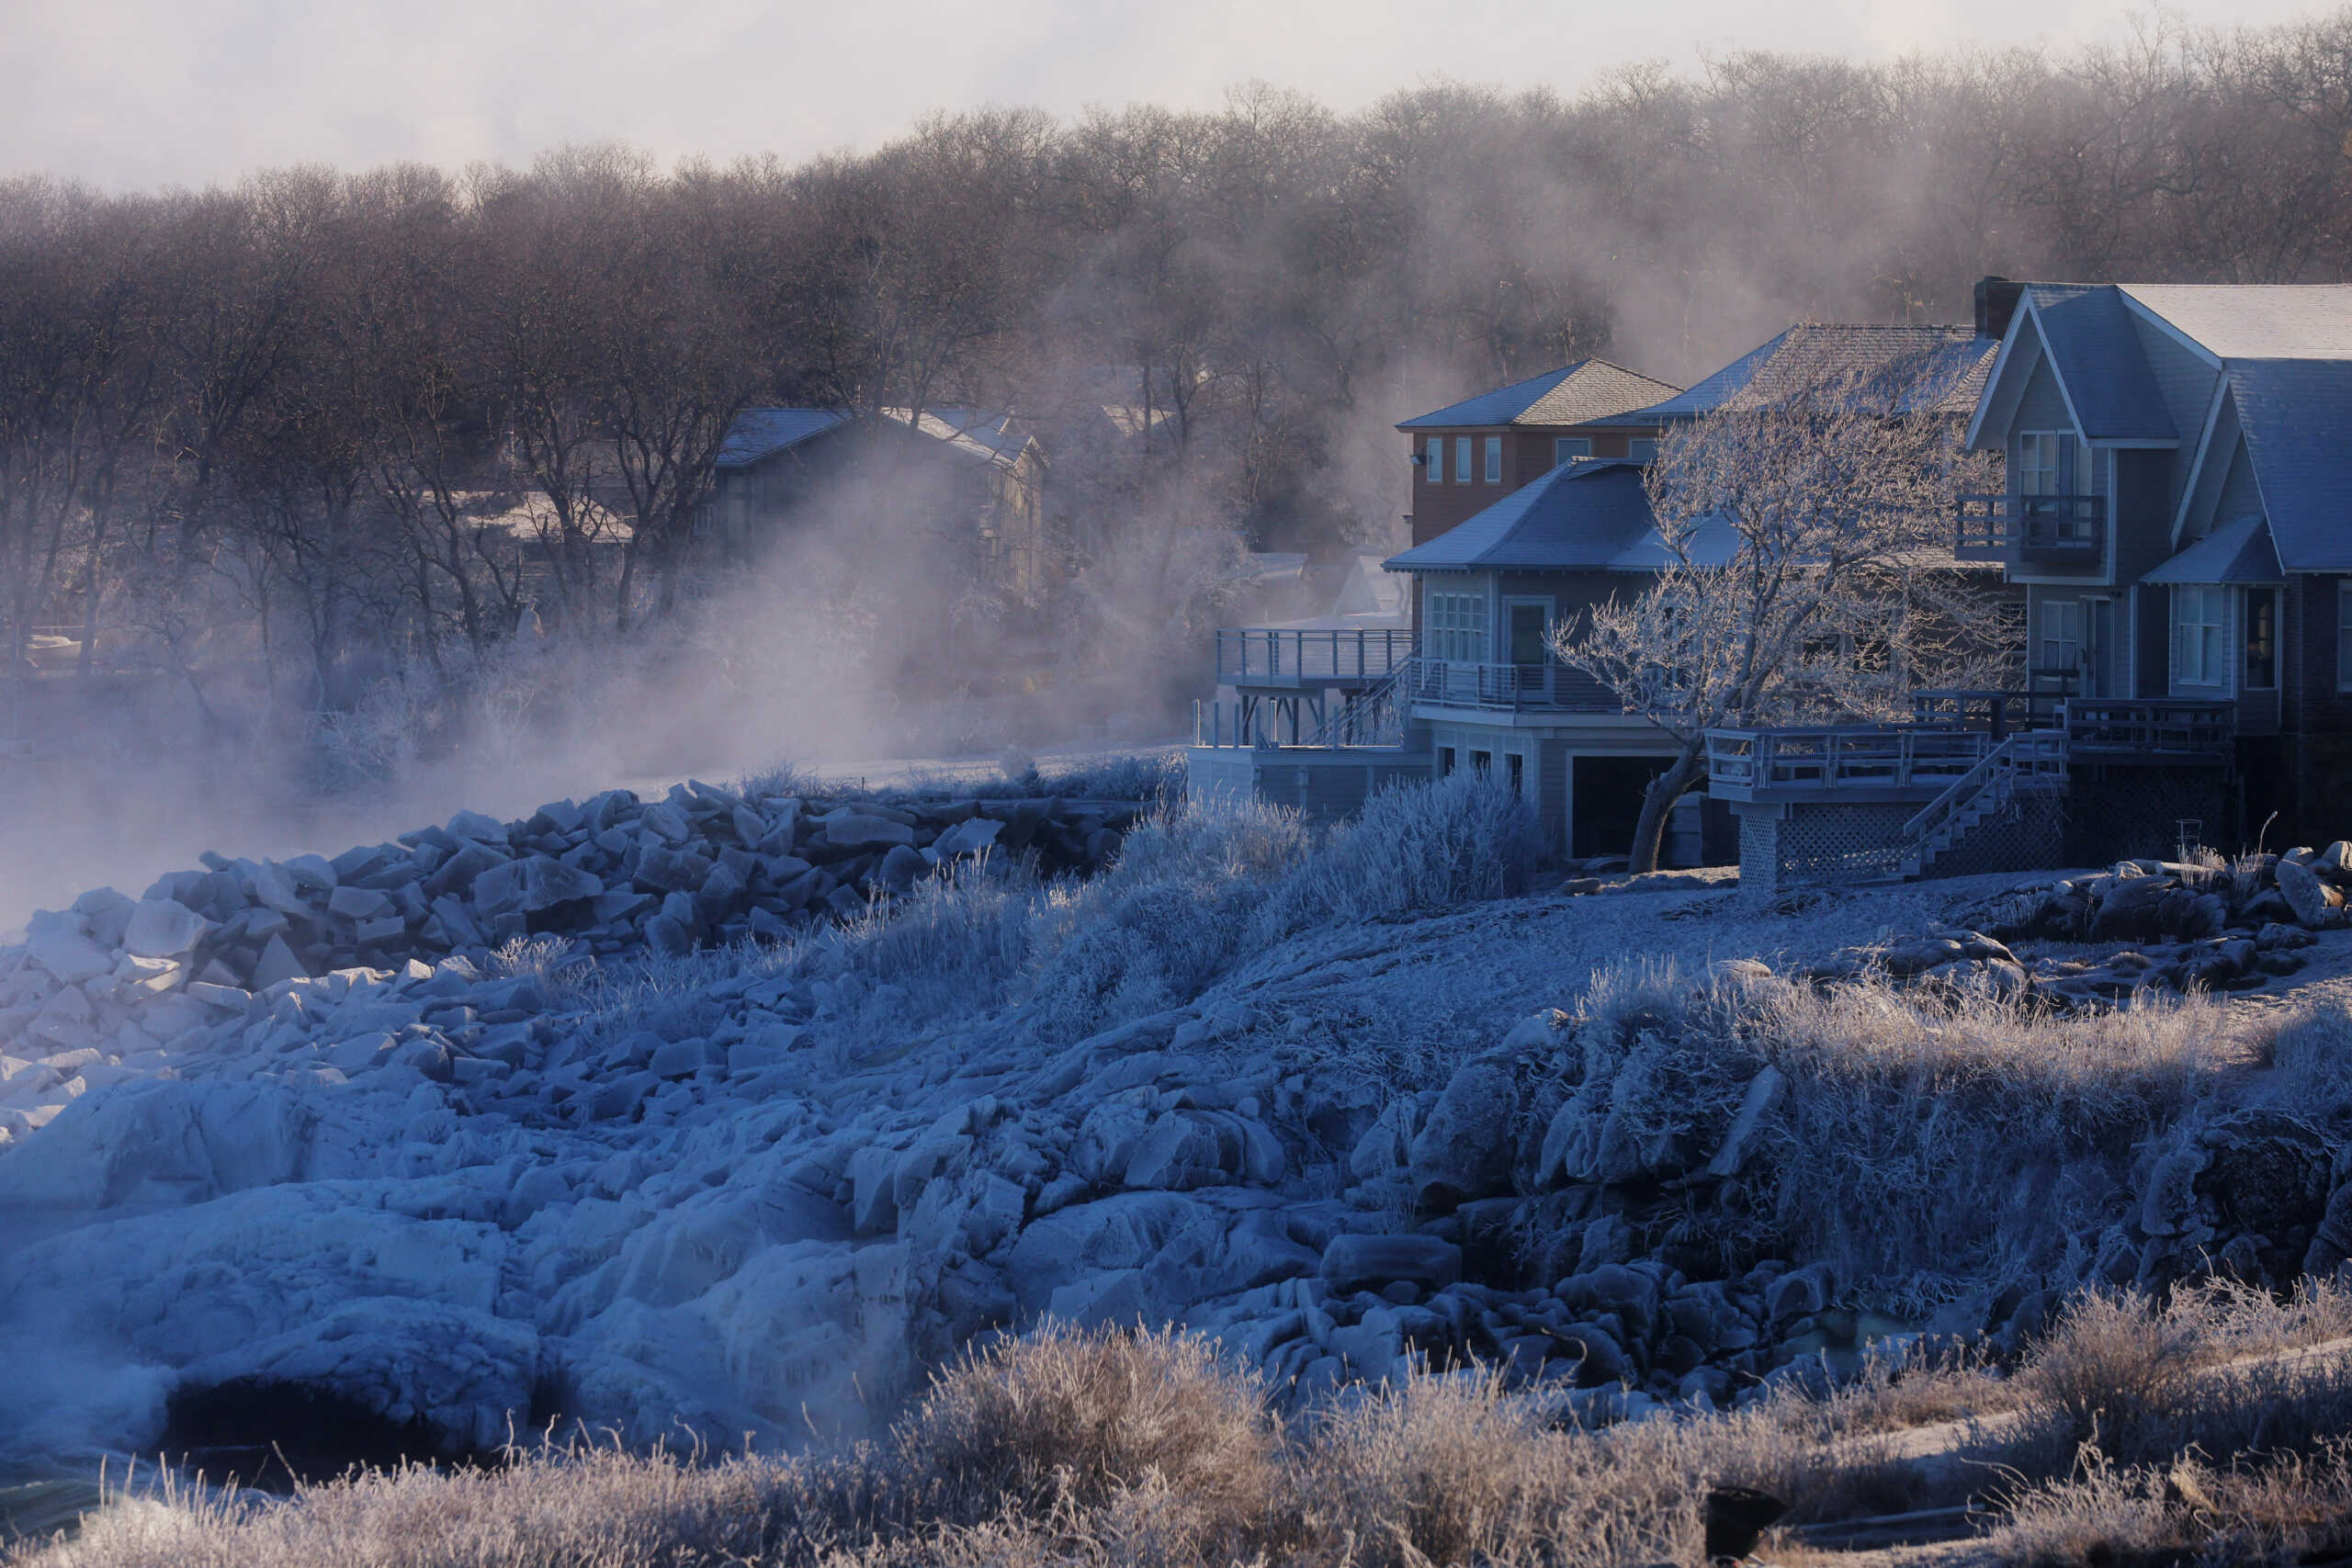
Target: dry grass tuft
1073,1418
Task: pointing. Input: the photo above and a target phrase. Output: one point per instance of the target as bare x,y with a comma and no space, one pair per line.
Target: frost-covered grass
1921,1140
1152,778
1127,1448
1197,886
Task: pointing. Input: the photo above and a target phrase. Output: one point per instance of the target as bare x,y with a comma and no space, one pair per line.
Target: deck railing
2068,530
1256,655
1744,764
2149,728
1510,688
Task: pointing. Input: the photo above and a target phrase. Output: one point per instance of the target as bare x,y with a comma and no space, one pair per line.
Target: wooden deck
1274,658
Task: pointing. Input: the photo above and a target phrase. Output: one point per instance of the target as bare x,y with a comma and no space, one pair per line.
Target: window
2344,636
2262,639
1446,761
1518,766
2038,453
1641,448
1494,459
1462,459
1482,763
2196,658
1569,448
1458,626
2062,635
1433,459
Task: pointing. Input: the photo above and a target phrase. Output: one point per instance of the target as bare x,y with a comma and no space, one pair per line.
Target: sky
138,94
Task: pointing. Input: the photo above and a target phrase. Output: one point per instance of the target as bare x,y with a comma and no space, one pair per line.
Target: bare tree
1807,574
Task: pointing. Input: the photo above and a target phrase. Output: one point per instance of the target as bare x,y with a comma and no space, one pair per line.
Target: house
2178,510
1493,590
1552,518
971,480
1471,454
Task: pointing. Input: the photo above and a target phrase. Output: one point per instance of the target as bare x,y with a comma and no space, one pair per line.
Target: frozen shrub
1462,839
1075,1416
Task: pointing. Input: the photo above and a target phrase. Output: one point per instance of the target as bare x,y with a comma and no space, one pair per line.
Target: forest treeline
263,427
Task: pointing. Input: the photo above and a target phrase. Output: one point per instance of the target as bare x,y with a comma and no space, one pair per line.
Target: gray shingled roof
2235,552
2297,415
1578,517
1584,393
2097,359
1954,362
2281,321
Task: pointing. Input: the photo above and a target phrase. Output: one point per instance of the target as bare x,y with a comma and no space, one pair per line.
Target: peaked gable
1584,393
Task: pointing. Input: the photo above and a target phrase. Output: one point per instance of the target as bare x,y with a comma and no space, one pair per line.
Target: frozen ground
756,1193
739,1199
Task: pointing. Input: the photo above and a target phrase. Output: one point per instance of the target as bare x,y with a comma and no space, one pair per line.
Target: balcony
1274,658
2064,532
1545,687
2150,731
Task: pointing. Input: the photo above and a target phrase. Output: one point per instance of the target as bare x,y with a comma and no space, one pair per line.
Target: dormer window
1462,459
1494,459
1433,459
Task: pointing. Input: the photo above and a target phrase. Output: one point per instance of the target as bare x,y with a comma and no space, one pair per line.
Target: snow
757,1211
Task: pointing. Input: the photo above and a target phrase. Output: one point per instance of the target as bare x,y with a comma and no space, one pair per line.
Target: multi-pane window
1433,459
1462,459
1569,448
1458,626
1494,459
2039,454
2262,639
2062,635
2197,630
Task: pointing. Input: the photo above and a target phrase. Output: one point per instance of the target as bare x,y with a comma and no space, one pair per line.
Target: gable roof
2297,419
2239,551
1584,393
2100,364
759,432
980,433
1581,515
2263,320
1954,363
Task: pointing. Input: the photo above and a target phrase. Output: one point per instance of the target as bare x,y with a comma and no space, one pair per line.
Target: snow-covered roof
1952,363
1584,393
761,433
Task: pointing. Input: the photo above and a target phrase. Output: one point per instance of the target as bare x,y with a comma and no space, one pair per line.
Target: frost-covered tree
1804,532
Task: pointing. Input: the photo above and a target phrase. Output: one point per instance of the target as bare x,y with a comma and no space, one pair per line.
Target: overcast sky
132,93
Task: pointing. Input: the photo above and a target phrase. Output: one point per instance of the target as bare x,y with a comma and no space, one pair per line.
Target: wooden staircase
2033,762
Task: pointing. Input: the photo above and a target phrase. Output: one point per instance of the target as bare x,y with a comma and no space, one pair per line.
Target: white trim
1551,608
2197,465
1971,440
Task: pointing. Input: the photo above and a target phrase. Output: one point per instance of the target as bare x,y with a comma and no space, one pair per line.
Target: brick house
1470,455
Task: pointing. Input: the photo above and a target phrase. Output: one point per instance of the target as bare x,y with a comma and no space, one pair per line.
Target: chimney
1997,302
